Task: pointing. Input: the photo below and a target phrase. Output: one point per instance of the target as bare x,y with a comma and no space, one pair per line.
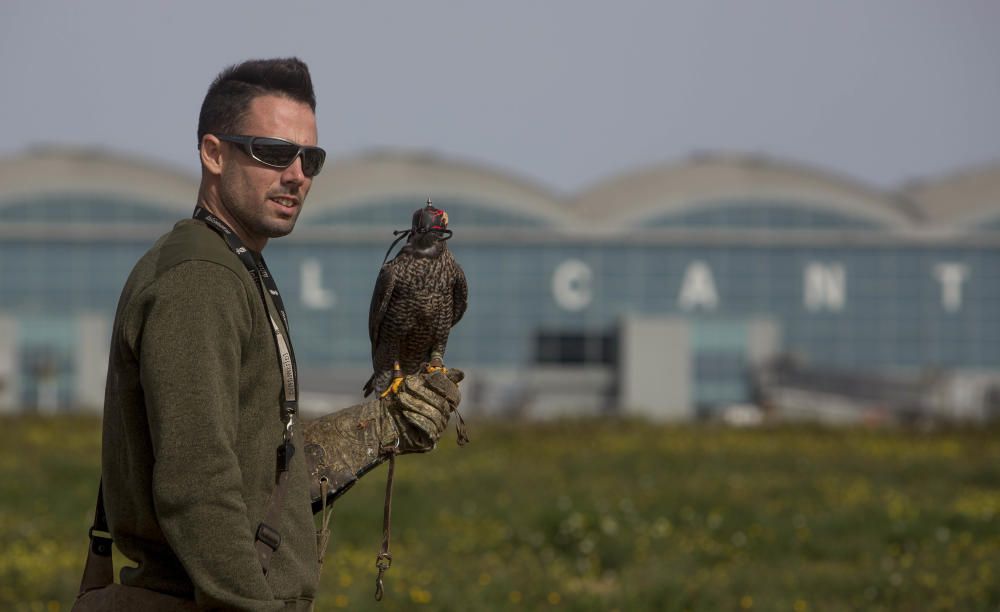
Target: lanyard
286,356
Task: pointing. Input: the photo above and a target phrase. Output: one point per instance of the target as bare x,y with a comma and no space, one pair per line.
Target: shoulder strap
268,539
99,571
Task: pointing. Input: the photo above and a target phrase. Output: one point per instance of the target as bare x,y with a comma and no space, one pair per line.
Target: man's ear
211,154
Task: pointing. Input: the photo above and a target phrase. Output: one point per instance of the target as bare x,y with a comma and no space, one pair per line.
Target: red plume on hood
429,218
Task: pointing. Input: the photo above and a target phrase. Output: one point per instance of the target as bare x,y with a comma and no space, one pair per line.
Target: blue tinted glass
760,215
397,214
81,208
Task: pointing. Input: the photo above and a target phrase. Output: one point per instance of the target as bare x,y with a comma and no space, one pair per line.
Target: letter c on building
571,285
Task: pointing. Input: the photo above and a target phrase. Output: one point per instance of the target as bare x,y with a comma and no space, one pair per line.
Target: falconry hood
427,233
430,220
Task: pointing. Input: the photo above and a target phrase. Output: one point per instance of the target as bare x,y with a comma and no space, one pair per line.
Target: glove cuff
345,445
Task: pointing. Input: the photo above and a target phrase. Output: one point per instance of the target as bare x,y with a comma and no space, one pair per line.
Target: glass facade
46,361
396,213
542,296
77,208
857,306
758,214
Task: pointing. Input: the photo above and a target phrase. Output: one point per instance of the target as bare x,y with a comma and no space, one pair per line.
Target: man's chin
279,232
282,224
278,229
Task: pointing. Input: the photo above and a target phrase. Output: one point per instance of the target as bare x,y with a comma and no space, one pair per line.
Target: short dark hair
229,96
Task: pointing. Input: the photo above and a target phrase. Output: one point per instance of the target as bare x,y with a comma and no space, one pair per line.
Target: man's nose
294,173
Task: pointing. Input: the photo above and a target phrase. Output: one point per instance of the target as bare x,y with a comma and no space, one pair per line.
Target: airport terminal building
654,292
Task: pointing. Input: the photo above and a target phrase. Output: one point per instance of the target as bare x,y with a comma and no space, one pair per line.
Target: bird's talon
394,387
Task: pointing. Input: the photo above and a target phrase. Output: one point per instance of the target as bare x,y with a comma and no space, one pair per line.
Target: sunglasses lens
273,154
312,161
280,154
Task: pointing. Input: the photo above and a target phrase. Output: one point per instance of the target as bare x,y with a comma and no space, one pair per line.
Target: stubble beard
254,219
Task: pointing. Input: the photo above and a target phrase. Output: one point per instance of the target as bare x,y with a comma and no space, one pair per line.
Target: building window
576,348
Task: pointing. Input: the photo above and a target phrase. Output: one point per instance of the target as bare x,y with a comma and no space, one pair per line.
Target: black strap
99,571
400,234
267,538
249,262
257,268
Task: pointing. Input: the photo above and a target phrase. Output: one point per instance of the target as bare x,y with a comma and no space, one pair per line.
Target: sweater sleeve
193,327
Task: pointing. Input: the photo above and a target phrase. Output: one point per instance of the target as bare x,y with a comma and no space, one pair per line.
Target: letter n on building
824,286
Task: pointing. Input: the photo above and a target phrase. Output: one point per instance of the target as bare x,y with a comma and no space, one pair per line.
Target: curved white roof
621,203
360,180
343,184
961,200
60,170
663,189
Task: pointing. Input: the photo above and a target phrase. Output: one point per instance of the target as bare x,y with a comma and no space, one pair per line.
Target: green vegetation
597,516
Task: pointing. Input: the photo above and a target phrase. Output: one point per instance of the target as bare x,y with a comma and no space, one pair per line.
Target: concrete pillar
9,365
763,340
90,362
655,369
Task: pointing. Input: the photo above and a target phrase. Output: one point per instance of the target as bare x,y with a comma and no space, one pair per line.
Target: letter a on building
698,288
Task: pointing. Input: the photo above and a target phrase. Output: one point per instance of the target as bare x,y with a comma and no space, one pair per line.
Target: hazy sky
563,92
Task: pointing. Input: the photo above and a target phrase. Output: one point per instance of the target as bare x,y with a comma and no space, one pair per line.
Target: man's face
263,202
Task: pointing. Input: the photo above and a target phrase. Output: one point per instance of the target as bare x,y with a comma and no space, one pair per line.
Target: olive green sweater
191,423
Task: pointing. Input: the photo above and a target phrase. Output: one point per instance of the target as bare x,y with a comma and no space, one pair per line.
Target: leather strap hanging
384,558
99,570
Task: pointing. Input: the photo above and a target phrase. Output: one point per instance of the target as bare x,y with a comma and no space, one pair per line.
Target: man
200,423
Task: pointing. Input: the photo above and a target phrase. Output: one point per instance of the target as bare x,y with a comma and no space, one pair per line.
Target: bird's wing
380,301
459,295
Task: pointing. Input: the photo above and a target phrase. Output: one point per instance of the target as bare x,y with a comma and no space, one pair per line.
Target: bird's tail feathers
369,386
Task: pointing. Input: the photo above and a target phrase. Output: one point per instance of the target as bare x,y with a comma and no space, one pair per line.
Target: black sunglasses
279,153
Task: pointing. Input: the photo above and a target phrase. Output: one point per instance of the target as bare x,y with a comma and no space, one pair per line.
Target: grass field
597,516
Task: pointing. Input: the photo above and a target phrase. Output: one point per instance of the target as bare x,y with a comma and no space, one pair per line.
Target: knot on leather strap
382,561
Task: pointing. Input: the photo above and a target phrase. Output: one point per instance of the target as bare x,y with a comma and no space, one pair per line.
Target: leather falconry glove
345,445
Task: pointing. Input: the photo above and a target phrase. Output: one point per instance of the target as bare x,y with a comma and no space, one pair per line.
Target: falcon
419,295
